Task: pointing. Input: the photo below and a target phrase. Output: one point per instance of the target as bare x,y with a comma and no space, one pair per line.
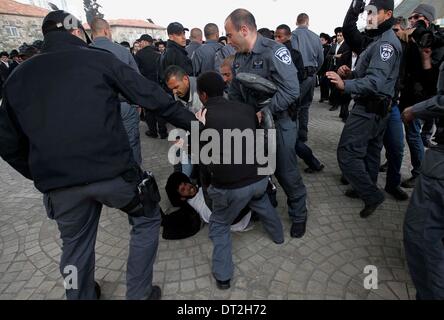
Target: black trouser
345,103
156,125
325,87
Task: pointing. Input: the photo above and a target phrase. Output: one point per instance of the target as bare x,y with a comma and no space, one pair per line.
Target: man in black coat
324,83
4,69
70,140
148,59
175,53
340,55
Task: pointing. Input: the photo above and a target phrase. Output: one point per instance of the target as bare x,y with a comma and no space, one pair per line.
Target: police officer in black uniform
373,86
270,60
60,126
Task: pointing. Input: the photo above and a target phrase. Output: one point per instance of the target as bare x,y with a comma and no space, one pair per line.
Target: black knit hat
172,187
382,4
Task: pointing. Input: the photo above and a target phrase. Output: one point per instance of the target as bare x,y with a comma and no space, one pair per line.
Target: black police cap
176,28
60,20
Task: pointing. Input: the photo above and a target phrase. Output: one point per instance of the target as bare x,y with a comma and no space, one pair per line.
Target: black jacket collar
61,41
172,44
215,101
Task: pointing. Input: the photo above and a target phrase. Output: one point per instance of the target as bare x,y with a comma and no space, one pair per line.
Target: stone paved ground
327,264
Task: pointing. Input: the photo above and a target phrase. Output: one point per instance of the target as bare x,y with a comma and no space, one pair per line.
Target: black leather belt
281,115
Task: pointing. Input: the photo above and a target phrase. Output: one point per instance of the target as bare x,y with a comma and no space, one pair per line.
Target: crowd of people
392,71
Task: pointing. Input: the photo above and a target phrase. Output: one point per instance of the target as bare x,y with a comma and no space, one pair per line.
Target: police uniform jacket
204,57
377,69
60,122
309,45
272,61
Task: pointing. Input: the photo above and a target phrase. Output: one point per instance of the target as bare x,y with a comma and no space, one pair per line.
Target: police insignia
283,55
387,52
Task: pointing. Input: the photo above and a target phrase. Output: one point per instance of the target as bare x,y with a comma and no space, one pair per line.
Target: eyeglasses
416,17
395,30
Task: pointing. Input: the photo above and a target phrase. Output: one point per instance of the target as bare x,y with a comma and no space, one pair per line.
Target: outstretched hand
336,80
408,116
344,72
201,116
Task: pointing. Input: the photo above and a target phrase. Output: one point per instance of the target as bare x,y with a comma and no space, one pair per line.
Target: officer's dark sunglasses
415,17
395,30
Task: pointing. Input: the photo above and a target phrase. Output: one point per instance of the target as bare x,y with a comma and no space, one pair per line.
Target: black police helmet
60,20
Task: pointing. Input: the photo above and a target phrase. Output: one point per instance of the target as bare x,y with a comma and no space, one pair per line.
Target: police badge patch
387,52
283,55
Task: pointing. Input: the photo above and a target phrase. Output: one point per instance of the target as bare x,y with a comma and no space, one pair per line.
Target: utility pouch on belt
147,195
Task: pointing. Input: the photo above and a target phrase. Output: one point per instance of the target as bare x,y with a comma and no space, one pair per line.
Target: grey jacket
192,47
309,45
377,70
204,57
129,113
270,60
193,104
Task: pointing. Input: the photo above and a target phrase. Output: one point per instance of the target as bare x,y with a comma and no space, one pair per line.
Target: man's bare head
196,35
100,28
241,30
303,20
226,70
211,32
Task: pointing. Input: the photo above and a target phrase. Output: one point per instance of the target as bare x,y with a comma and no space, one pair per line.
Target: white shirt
354,60
198,203
338,46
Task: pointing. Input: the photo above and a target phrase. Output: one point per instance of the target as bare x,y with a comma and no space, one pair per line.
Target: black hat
172,187
176,28
146,37
27,51
60,21
382,4
14,53
38,44
4,54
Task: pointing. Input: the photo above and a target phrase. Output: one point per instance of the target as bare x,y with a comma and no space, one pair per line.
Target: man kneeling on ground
233,186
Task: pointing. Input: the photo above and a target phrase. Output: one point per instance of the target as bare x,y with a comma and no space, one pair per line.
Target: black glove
358,6
149,193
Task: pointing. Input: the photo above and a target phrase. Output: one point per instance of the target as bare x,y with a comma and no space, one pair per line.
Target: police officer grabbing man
270,60
60,126
372,85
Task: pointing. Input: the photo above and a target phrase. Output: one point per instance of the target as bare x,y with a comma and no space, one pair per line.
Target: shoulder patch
283,55
386,51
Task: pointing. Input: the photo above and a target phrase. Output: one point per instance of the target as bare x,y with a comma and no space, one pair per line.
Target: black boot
370,209
298,229
397,193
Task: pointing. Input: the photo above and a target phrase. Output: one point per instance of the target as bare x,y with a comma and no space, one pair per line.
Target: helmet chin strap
88,39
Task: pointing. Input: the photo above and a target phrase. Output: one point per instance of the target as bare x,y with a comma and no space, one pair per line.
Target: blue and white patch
387,52
283,55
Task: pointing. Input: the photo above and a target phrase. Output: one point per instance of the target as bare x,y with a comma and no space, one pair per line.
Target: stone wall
28,29
131,34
